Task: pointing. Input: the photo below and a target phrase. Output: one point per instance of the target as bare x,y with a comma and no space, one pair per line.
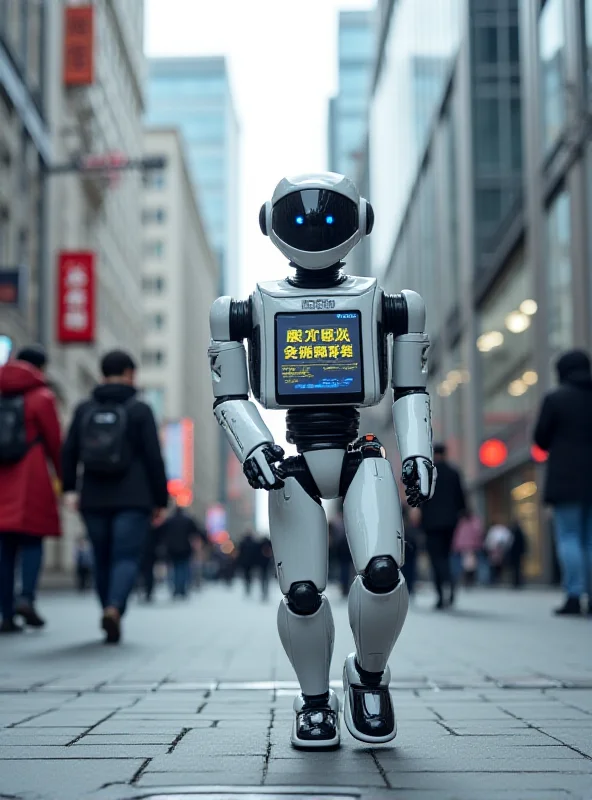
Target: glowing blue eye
299,220
329,220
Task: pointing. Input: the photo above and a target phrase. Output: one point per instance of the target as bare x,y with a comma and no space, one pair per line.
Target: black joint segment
381,575
321,428
395,317
263,219
399,393
241,320
296,467
225,397
369,678
369,218
315,700
304,598
351,462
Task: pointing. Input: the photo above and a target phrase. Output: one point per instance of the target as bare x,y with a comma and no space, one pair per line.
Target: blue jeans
31,558
181,576
118,540
30,550
573,536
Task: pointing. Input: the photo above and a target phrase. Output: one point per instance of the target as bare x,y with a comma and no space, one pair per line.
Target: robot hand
260,469
419,477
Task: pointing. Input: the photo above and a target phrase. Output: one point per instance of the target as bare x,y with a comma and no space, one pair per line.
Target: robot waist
322,428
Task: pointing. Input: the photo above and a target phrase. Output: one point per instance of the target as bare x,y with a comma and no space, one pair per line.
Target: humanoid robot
318,347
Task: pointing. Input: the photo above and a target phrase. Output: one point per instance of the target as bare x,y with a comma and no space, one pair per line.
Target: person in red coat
28,501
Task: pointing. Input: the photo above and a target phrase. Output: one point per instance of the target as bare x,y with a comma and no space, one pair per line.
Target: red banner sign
78,46
76,297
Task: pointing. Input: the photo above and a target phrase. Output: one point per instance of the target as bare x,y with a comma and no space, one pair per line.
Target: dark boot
10,626
571,607
29,614
111,624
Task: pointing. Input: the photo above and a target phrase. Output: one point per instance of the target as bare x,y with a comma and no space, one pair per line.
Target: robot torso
318,347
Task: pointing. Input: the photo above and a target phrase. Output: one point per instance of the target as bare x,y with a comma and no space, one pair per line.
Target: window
153,358
486,50
153,284
154,248
559,275
552,66
487,133
153,215
506,346
155,321
153,179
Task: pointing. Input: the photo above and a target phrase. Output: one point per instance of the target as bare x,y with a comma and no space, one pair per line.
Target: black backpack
104,442
13,434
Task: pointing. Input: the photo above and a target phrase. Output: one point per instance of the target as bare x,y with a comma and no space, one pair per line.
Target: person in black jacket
179,532
439,518
123,486
564,429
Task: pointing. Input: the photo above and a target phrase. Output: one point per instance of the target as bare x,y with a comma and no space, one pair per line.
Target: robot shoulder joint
231,320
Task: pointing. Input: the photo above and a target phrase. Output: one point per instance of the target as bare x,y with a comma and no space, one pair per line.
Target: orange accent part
79,45
538,454
493,453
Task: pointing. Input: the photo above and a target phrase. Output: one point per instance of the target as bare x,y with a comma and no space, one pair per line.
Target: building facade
180,282
484,211
348,110
25,150
193,95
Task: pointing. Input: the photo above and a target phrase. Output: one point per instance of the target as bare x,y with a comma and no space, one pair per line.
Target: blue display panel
319,358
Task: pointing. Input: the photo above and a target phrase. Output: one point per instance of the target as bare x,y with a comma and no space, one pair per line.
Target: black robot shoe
316,722
368,709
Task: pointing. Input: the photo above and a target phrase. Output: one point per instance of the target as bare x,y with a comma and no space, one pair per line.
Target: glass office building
349,108
193,95
480,173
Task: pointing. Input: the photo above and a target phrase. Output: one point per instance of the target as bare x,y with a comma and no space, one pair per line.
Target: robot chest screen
318,358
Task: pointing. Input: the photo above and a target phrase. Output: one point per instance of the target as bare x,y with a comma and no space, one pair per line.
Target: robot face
315,220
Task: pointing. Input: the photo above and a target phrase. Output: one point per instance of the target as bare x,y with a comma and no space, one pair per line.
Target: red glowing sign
538,454
76,297
493,453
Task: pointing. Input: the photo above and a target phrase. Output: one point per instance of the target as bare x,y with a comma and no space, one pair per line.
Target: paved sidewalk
494,700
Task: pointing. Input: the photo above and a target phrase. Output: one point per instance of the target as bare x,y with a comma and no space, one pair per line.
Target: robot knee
381,575
304,598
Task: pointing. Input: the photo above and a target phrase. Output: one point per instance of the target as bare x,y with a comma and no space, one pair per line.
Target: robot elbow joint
381,575
304,598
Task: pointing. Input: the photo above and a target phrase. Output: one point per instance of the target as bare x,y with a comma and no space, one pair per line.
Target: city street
494,700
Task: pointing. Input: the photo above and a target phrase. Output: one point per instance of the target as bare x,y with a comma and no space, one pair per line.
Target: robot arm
247,434
411,406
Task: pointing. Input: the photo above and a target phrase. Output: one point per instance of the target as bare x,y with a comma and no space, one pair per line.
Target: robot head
316,219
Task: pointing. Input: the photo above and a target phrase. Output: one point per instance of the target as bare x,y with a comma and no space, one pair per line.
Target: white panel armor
318,348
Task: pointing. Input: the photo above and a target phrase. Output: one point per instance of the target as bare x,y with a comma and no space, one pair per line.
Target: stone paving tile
225,713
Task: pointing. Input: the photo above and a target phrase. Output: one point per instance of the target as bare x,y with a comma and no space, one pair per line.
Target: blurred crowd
109,469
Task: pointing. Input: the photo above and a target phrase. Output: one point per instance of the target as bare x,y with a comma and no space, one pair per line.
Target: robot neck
317,278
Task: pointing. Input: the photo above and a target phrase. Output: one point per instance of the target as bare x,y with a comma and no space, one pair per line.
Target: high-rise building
180,282
483,209
193,95
348,110
25,148
94,82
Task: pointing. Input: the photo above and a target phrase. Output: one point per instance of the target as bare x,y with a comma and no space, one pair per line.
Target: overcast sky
282,59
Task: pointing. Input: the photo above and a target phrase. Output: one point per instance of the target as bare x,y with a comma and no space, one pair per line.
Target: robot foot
316,722
368,710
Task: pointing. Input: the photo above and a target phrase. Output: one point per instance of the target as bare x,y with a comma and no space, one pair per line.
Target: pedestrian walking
179,533
265,565
123,485
411,523
247,559
439,518
83,564
467,545
29,438
516,552
564,429
497,546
